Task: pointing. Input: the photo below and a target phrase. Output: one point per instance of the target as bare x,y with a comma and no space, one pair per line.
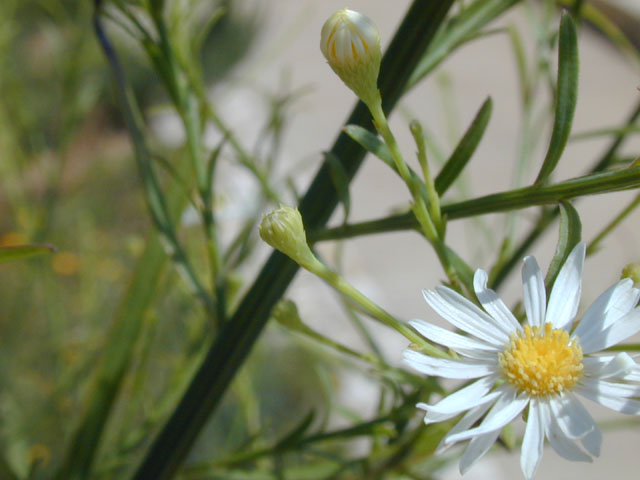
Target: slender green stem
595,243
339,283
599,183
434,198
243,156
419,206
156,200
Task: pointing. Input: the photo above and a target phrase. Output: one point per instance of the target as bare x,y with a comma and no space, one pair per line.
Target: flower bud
286,314
284,231
632,271
351,44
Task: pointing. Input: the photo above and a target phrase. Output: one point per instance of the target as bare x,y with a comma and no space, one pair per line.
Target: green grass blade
566,96
239,334
17,252
465,148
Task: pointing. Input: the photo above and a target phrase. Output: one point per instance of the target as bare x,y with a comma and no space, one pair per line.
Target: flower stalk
283,229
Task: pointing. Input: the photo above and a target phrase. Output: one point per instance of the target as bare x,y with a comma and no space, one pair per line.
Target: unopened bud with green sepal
283,230
632,271
351,44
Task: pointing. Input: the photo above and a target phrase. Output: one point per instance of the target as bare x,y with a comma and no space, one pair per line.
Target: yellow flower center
542,362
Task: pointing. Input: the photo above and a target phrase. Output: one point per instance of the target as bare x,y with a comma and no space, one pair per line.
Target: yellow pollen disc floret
542,362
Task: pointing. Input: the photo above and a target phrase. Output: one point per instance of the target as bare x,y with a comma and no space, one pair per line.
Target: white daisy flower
542,365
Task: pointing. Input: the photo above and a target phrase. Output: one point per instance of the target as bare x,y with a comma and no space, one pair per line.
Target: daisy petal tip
416,322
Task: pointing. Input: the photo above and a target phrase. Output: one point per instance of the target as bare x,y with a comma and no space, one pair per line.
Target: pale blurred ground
393,268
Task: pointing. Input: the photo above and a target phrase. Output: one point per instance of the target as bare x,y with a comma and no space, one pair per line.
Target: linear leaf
457,31
465,148
566,97
16,252
370,142
569,236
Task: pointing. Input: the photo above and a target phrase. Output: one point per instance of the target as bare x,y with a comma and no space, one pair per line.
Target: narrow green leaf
457,31
465,148
569,236
371,143
16,252
620,34
566,96
340,181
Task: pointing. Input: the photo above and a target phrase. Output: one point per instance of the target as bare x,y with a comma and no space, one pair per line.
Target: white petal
460,344
476,449
611,389
622,329
466,398
610,306
504,410
571,416
564,446
493,304
442,367
633,375
356,43
593,442
440,416
534,294
464,315
565,295
533,440
465,422
609,366
619,404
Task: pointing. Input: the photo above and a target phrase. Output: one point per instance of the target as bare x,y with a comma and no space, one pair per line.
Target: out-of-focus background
67,177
